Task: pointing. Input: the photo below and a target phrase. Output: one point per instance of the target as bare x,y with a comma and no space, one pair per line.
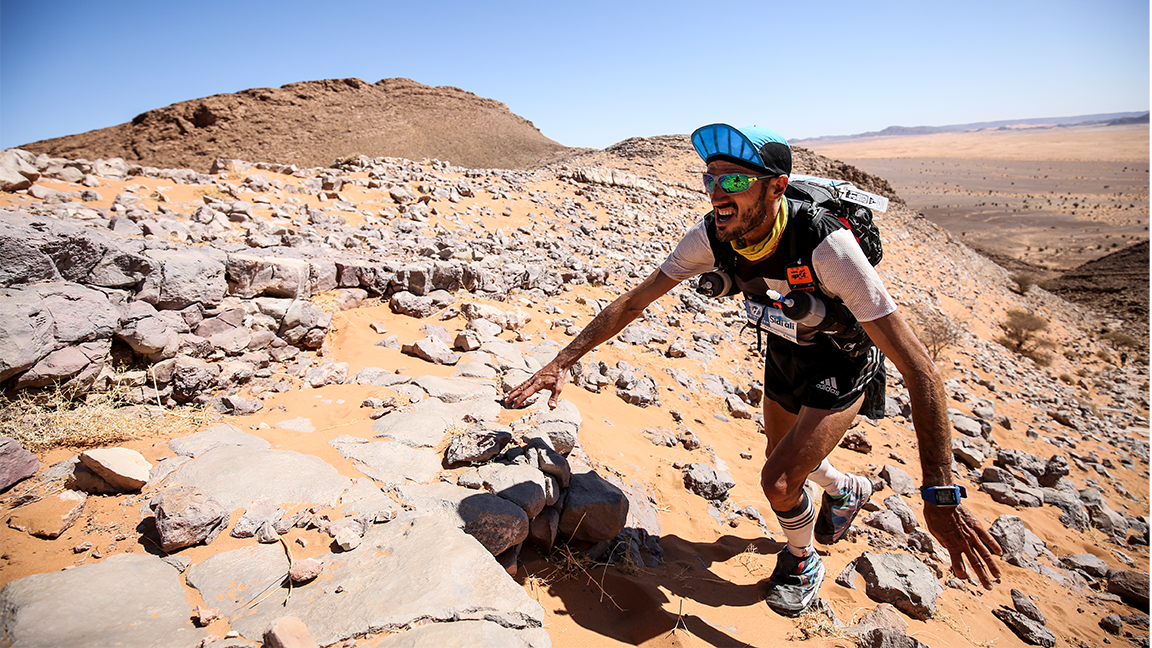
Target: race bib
770,319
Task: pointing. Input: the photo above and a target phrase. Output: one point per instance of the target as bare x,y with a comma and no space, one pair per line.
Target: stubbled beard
754,218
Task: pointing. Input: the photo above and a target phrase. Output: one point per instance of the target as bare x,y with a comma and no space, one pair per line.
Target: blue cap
752,146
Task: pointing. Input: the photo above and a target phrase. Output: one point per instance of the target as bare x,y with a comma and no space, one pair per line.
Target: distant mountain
1107,119
314,123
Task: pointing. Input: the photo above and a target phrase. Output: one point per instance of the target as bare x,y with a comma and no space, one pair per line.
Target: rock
186,516
907,516
882,616
305,570
16,463
1029,631
495,522
888,638
393,463
204,616
902,580
250,276
452,390
328,373
542,529
1072,513
405,303
198,443
16,172
594,509
1087,563
122,468
260,512
183,277
1024,605
521,485
1112,624
898,480
707,482
476,445
1130,585
141,602
281,476
288,632
887,521
431,349
370,589
50,516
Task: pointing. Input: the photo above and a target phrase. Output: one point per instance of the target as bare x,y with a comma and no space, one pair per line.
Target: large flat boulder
391,462
123,600
238,475
373,587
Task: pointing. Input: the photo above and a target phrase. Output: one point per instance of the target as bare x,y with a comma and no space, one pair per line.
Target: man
815,382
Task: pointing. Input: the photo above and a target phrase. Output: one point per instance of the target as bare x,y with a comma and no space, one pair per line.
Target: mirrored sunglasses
731,182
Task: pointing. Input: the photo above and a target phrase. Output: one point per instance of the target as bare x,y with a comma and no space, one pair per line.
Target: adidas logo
829,385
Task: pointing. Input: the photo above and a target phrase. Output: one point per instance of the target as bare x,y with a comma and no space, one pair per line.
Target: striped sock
798,525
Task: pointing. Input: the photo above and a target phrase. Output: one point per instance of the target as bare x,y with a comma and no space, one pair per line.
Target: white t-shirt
839,263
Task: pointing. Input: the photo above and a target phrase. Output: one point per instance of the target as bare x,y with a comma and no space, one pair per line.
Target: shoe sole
804,604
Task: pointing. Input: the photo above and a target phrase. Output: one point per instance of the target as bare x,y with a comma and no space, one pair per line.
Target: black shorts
822,377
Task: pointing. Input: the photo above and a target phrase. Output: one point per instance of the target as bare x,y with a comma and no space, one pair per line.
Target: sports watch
943,495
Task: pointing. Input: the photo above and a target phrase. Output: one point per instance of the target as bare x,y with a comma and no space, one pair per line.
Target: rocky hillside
314,123
351,329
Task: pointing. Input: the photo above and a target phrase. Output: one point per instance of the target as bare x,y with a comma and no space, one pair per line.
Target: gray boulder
16,463
1130,585
494,521
476,445
17,171
707,482
1029,631
183,277
198,443
594,509
902,580
390,462
186,516
521,485
249,275
141,602
459,582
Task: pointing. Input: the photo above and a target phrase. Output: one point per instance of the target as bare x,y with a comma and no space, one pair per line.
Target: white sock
799,526
831,480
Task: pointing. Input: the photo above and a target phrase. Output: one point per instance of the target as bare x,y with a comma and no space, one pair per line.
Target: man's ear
776,187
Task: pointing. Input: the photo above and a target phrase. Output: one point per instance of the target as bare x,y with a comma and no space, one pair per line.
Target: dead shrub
51,419
937,331
1021,334
1023,282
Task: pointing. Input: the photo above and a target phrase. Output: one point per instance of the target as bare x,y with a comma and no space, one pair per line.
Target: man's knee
781,487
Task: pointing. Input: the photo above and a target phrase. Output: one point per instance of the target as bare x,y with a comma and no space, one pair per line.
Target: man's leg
797,445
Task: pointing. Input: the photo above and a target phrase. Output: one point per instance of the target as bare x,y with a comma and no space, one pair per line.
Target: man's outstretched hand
550,377
961,534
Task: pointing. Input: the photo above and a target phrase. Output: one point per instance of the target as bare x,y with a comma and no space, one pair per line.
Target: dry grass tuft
51,419
751,559
813,622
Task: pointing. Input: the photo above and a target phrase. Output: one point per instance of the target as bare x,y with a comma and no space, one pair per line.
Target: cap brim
723,141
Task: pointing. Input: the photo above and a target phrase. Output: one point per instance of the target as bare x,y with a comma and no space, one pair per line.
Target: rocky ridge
313,123
221,289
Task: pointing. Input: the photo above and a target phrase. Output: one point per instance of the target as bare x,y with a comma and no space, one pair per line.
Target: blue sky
590,73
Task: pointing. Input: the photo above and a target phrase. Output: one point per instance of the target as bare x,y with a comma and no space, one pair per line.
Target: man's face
737,215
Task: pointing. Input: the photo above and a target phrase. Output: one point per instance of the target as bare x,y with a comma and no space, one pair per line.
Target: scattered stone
305,570
707,482
50,516
186,516
288,632
1029,631
123,469
594,509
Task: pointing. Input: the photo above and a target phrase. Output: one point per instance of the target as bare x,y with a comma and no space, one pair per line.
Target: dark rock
1130,585
707,482
594,509
16,463
902,580
186,516
1026,606
1029,631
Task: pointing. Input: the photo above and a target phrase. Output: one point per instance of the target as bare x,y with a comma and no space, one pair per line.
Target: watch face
946,497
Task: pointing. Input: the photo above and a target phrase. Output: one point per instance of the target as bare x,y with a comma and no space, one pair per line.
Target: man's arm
955,527
607,323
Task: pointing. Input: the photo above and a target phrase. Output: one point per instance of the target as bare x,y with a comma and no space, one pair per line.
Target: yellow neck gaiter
766,247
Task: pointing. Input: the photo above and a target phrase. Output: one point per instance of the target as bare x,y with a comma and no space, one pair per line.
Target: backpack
816,198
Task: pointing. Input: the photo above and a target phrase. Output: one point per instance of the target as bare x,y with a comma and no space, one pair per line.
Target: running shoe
794,583
837,513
